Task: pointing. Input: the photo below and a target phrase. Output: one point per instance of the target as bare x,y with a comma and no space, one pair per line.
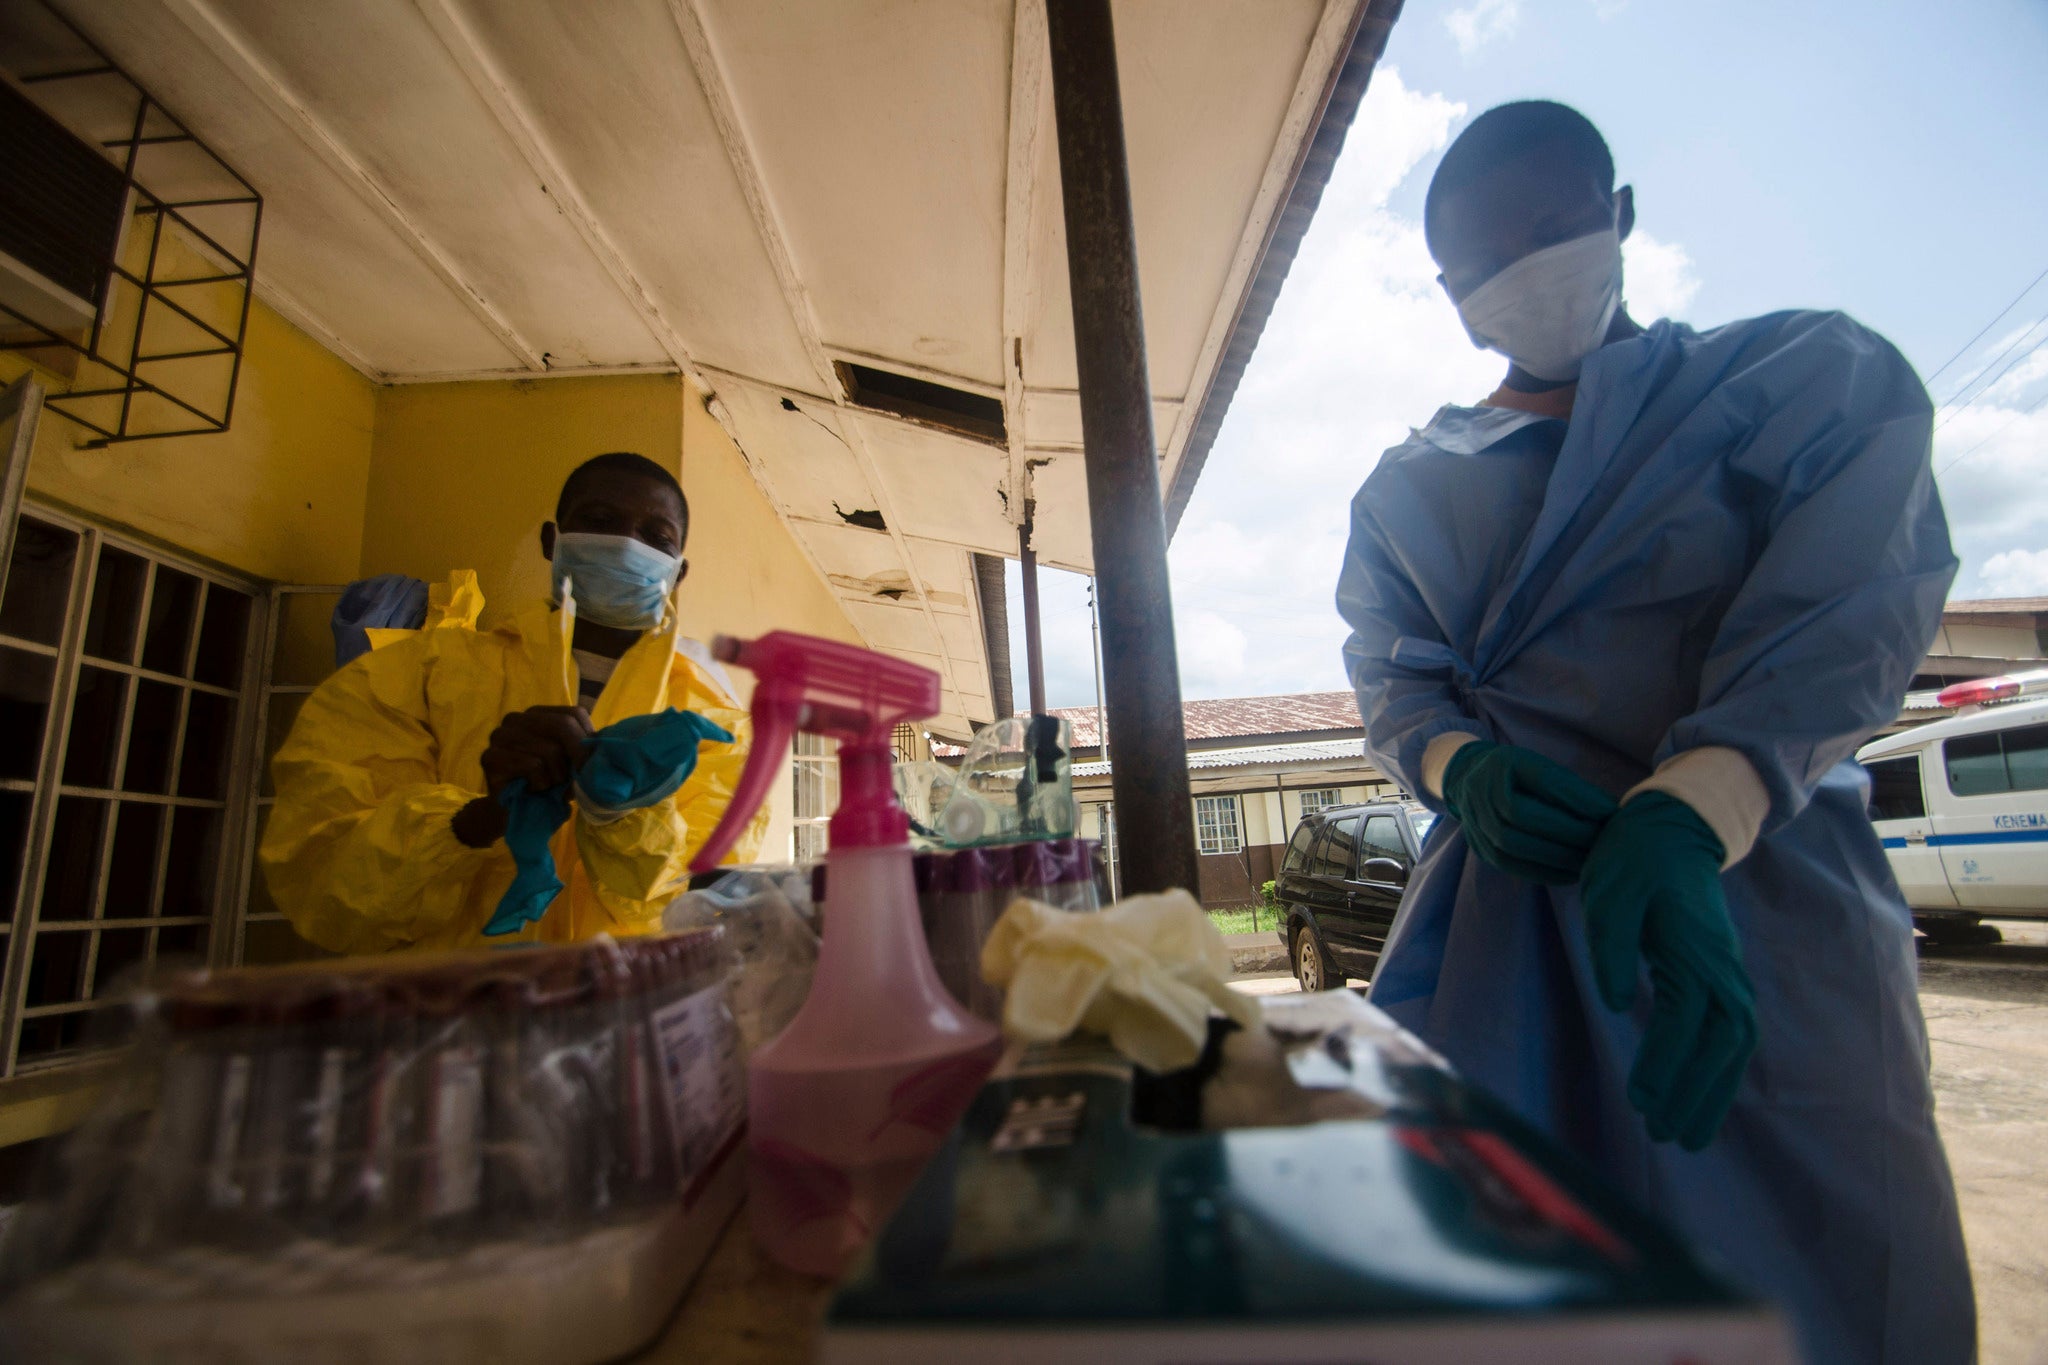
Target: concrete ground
1987,1019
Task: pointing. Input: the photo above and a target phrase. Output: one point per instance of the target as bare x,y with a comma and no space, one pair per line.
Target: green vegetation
1261,917
1243,919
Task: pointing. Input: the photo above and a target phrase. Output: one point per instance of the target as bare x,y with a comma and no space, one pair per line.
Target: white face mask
617,580
1550,310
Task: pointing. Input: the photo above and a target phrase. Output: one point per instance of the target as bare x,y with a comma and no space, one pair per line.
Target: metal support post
1141,674
1034,638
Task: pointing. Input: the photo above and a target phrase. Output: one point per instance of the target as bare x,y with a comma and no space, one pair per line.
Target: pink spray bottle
847,1104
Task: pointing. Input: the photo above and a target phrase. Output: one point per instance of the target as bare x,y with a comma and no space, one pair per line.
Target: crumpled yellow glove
1144,973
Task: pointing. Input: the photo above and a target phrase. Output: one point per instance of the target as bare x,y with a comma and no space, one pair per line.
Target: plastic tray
591,1298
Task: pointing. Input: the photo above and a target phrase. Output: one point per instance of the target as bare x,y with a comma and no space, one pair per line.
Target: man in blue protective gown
1626,622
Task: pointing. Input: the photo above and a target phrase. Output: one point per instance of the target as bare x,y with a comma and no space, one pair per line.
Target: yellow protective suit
359,853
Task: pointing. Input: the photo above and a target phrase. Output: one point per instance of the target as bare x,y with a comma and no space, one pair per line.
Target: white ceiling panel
798,453
903,629
1197,161
947,570
608,89
962,638
1053,418
1063,541
375,74
892,201
852,550
939,487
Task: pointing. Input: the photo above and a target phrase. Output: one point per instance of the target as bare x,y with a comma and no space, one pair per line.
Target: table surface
743,1309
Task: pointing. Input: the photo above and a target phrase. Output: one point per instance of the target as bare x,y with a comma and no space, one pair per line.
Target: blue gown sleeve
1845,593
1407,677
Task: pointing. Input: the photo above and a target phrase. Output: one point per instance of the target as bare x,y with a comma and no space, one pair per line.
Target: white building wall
1987,642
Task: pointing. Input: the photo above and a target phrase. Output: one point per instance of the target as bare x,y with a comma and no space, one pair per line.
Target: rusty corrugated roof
1300,713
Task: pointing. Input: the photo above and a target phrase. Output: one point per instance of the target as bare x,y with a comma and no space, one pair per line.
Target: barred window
1216,824
1321,799
125,677
816,794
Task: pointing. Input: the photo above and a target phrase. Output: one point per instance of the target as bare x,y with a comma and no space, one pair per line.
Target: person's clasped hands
1649,875
543,744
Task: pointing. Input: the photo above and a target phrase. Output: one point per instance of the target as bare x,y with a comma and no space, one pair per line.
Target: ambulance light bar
1985,690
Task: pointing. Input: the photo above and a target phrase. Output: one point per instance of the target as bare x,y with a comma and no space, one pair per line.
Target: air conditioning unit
63,207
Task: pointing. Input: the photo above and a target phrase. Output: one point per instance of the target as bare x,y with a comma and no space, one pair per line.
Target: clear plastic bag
376,1122
1015,783
923,789
770,940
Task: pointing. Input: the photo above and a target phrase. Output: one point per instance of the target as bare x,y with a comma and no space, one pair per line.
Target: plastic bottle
847,1104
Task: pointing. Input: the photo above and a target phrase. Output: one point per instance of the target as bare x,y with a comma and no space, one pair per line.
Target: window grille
1216,824
1321,799
297,648
124,681
816,794
908,744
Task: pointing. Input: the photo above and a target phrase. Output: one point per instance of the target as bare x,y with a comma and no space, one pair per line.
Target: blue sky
1878,156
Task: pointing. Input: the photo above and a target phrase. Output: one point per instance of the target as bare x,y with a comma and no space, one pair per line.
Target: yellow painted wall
464,474
278,495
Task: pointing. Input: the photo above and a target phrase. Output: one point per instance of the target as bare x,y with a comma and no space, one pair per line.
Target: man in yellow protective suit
385,833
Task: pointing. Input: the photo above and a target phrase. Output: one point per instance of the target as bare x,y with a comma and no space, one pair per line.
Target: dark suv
1341,884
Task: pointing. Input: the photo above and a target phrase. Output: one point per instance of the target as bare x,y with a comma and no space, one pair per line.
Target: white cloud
1480,22
2018,376
1362,345
2016,573
1210,645
1991,460
1658,276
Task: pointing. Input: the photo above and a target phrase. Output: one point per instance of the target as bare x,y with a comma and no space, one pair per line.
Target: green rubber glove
1652,891
1524,814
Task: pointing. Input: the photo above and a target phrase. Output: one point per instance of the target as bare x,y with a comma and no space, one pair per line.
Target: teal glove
643,760
1522,813
632,763
1652,886
531,819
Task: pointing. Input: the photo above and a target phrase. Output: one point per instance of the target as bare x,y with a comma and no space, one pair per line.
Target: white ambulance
1962,807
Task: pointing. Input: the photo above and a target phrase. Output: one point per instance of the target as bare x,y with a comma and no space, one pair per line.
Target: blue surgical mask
616,580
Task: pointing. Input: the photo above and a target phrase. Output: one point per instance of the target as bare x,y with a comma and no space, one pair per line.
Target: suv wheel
1957,931
1311,964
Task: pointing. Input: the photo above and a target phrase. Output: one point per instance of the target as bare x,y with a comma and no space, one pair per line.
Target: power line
1989,325
1994,380
2008,425
1985,368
